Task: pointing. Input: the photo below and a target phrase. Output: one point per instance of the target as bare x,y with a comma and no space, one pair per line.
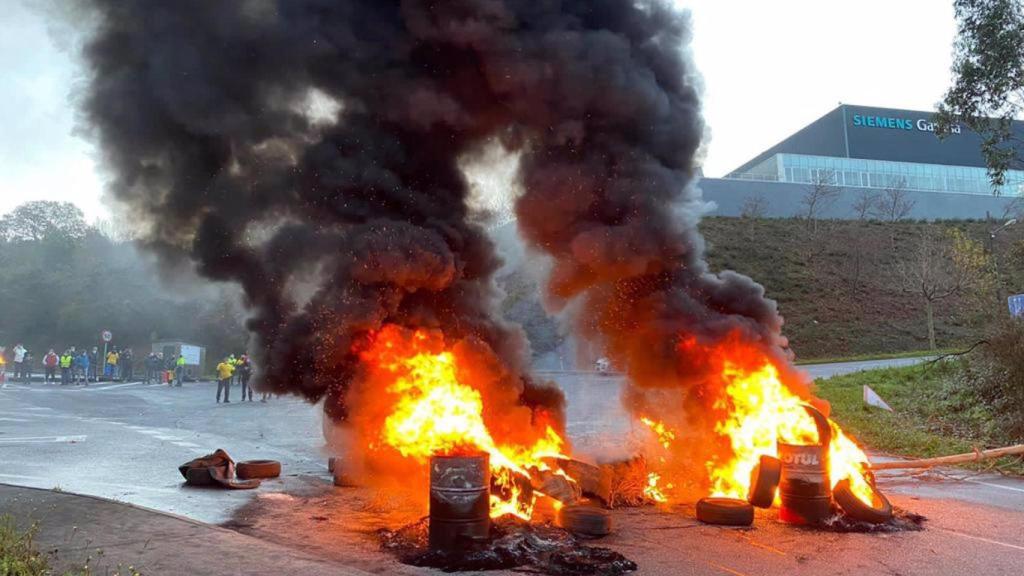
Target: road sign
107,336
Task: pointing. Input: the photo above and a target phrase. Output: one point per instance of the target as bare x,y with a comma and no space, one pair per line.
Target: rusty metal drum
459,500
804,484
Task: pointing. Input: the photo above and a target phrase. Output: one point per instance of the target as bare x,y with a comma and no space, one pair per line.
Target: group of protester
231,370
118,365
74,367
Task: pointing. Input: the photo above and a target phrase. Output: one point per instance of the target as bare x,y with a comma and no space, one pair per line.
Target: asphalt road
839,368
125,441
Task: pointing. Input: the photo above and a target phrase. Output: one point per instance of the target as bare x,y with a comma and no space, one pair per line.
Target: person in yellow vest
224,371
110,369
234,364
65,367
179,369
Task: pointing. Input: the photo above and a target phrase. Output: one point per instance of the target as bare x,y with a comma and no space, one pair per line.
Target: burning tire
878,512
585,520
258,469
725,511
764,481
821,423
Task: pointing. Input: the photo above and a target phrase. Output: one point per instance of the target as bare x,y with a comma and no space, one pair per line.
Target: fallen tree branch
976,456
942,357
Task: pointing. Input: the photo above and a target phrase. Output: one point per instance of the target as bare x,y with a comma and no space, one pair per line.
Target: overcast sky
770,67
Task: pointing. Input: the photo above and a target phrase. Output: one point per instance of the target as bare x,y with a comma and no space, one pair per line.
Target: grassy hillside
836,286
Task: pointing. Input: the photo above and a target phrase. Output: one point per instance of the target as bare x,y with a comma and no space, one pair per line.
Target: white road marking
172,437
42,439
981,539
983,483
990,484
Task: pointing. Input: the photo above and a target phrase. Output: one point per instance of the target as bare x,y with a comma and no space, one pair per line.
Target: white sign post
871,398
101,363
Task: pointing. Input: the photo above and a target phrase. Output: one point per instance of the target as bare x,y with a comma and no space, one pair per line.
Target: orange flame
762,411
665,435
652,490
754,409
435,411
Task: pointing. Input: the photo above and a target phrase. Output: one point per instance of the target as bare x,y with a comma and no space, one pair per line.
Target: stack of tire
764,480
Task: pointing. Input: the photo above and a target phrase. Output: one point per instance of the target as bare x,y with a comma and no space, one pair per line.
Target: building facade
863,153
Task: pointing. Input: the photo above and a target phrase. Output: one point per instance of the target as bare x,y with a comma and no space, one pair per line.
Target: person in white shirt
19,362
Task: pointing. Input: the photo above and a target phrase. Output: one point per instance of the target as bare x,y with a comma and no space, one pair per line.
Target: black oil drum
459,500
804,484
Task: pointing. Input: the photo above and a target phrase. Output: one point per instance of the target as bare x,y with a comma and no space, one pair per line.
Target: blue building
870,153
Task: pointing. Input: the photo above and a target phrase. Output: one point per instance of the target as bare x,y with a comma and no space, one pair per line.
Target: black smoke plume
333,223
202,112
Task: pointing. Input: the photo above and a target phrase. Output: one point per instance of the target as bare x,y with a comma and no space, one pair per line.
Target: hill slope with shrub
837,283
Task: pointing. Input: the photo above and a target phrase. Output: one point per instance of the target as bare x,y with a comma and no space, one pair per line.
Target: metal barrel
804,484
460,488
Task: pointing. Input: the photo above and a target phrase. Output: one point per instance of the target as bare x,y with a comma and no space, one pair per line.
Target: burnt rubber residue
513,544
902,521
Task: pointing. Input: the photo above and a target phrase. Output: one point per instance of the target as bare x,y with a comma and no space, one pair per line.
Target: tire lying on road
584,520
258,469
725,511
199,477
878,512
764,481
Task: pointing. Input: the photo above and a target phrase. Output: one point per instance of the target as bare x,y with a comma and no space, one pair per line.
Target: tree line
63,281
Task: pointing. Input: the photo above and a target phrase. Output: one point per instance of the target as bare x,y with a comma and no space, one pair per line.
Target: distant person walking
19,362
244,371
179,369
66,359
82,368
125,362
234,364
50,362
110,370
151,364
94,364
224,371
26,366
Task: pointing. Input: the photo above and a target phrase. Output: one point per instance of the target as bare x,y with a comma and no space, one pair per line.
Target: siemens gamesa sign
897,123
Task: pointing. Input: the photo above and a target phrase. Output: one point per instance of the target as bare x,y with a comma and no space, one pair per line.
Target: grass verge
18,554
930,418
20,557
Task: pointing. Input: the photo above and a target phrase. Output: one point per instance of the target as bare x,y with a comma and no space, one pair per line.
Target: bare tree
820,195
931,273
865,204
754,207
895,203
1014,209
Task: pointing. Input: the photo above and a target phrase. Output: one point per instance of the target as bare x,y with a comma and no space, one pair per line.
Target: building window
800,168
